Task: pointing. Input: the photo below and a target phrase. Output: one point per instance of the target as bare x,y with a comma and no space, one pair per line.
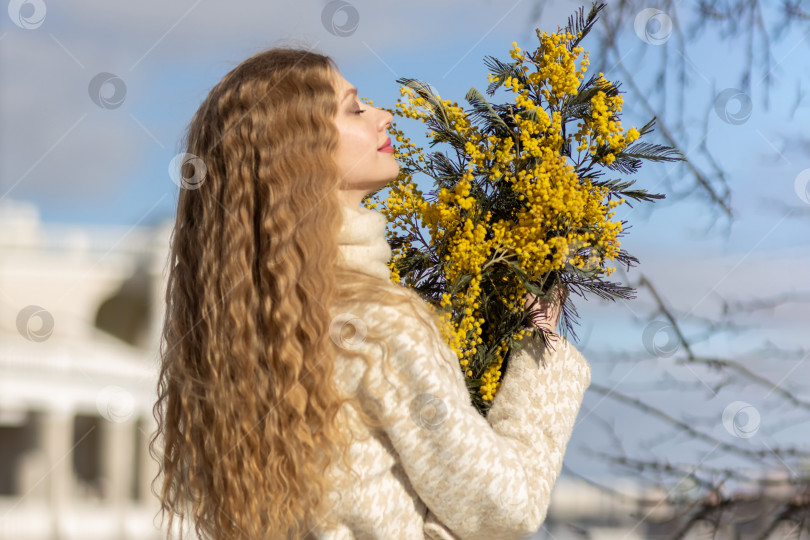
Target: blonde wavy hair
247,408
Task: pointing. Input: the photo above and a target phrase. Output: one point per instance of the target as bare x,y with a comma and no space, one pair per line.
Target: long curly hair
247,408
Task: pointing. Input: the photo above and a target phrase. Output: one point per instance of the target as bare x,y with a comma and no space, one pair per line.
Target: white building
80,314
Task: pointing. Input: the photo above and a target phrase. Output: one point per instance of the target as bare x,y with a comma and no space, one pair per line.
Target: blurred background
696,421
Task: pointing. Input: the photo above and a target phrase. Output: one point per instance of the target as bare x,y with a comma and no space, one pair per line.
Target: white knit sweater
362,241
440,470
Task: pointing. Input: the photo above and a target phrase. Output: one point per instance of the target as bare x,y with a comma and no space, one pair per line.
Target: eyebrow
348,93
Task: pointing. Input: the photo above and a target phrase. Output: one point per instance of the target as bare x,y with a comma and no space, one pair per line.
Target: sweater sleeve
482,478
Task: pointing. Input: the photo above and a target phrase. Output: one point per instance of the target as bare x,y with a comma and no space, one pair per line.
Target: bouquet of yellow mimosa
523,201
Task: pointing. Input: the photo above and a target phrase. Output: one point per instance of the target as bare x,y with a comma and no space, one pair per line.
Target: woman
302,393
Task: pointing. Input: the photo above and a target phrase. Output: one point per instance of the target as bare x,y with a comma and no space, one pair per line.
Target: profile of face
363,162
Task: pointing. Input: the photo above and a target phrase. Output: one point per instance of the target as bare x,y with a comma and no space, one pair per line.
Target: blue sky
81,163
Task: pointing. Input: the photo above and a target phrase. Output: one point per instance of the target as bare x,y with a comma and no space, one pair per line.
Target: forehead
341,83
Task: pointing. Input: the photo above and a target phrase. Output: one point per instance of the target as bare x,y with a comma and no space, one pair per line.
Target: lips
386,147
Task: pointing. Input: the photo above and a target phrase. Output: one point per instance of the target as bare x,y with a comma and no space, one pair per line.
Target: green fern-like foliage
421,268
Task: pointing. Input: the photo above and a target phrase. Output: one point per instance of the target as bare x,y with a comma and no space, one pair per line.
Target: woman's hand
546,313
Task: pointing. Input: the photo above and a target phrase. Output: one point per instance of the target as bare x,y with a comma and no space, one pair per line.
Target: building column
56,436
117,467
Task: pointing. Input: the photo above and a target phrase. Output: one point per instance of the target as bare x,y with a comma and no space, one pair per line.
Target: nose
385,119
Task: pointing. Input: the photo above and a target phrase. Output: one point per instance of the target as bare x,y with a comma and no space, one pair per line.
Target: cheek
357,140
345,143
349,151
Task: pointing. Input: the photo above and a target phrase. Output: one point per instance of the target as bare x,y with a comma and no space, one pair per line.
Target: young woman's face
363,163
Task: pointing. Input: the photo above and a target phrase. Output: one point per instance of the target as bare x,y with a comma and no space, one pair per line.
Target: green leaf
484,111
619,188
525,280
501,71
577,23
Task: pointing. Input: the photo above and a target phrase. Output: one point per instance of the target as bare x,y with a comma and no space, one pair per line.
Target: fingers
546,313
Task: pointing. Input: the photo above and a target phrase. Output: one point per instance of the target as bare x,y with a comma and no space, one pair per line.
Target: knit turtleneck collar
362,241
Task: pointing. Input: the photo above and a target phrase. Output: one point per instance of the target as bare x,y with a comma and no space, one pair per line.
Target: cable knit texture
439,470
362,241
